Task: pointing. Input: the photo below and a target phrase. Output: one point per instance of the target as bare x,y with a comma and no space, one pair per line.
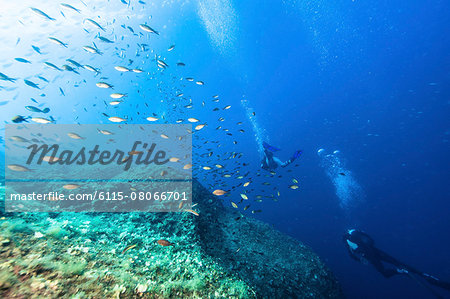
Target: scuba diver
270,162
362,248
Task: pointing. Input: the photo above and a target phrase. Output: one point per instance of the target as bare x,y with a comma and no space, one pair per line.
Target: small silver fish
91,68
70,7
31,84
23,60
17,167
57,41
148,29
94,23
91,50
42,14
74,136
103,85
52,66
117,95
122,69
116,119
41,120
18,139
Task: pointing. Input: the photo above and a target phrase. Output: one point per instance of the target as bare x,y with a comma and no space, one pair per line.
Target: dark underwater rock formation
83,255
273,264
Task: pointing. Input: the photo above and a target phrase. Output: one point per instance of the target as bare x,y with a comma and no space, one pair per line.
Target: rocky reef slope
217,254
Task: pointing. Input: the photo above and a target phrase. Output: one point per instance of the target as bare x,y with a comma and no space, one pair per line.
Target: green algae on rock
79,255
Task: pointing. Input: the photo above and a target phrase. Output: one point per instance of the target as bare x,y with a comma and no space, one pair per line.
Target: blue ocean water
368,80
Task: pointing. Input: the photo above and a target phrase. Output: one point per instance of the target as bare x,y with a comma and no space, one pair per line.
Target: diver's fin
424,285
269,147
296,155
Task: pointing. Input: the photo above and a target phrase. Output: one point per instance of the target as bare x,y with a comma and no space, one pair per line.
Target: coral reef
218,254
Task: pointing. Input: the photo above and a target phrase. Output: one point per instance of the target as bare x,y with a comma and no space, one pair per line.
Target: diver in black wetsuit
362,248
270,162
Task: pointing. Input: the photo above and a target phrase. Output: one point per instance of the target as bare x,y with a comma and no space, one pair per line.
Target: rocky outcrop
218,254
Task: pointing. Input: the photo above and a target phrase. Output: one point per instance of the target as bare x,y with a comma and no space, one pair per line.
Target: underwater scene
224,149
